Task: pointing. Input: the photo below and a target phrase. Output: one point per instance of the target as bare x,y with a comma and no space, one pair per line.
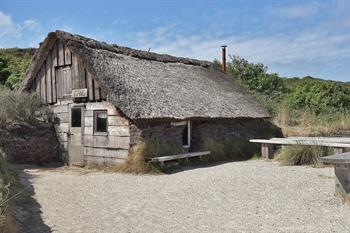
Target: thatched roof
145,85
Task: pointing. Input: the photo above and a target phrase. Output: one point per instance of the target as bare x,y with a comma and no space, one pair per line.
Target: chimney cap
223,46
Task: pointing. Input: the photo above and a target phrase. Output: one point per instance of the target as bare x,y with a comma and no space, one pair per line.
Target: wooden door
75,136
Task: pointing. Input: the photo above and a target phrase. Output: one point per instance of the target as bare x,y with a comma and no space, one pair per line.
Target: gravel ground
251,196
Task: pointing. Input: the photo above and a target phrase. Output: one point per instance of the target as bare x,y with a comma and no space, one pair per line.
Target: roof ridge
95,44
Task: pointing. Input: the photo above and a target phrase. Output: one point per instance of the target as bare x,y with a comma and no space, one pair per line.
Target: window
100,121
186,132
76,117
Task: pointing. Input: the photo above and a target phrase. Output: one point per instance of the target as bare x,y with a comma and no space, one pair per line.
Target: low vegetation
302,154
307,106
16,107
135,163
13,64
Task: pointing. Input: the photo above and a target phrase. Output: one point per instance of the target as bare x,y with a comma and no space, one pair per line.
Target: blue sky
293,38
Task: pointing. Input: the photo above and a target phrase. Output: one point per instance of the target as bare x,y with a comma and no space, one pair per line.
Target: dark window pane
185,136
101,121
76,117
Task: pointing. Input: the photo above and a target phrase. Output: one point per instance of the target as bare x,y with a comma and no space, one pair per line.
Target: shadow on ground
26,211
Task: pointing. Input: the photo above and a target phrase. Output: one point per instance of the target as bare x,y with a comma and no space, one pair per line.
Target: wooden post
338,150
267,151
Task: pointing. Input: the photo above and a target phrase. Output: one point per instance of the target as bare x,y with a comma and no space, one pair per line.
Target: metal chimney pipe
223,58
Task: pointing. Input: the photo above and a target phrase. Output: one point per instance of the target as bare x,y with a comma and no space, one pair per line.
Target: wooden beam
53,74
60,53
179,156
48,79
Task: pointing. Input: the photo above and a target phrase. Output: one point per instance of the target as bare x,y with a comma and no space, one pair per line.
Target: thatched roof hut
148,85
111,97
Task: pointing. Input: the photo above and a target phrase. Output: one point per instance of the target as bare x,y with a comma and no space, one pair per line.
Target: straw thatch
146,85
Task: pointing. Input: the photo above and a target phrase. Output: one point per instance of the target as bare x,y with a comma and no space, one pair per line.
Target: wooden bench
164,159
342,172
267,145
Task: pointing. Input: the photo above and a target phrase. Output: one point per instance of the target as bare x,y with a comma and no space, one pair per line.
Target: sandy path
252,196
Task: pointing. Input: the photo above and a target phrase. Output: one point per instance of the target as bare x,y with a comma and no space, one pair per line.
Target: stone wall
219,130
23,143
162,131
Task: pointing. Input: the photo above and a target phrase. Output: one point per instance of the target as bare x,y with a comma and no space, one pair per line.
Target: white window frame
187,123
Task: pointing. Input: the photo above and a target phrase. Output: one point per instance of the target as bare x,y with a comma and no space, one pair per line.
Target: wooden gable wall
62,72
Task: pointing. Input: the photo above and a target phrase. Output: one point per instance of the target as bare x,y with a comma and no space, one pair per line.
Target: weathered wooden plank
105,152
89,121
96,91
48,79
107,141
89,113
117,120
38,85
111,109
53,55
59,80
67,56
300,142
103,94
81,74
61,109
179,156
68,80
60,53
119,130
43,84
88,130
90,87
93,160
75,72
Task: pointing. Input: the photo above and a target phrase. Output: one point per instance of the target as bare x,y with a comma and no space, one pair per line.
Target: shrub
16,107
301,154
319,96
4,191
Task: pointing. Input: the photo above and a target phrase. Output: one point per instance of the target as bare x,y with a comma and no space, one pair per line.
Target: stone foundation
23,143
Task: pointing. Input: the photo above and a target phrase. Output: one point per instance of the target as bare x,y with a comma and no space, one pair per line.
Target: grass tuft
301,155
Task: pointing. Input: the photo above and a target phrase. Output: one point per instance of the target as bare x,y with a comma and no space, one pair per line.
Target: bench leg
267,151
338,150
161,164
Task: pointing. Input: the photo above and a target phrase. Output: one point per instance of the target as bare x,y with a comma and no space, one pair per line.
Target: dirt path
252,196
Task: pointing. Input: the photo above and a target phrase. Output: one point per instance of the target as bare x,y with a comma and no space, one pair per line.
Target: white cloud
31,24
8,27
297,11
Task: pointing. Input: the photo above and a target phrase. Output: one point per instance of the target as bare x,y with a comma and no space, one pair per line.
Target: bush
16,107
230,149
301,154
4,191
319,96
269,84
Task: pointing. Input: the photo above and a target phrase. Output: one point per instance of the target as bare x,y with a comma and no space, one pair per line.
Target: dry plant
301,154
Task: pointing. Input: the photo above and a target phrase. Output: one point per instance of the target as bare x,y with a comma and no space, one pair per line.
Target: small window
100,121
186,132
76,117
